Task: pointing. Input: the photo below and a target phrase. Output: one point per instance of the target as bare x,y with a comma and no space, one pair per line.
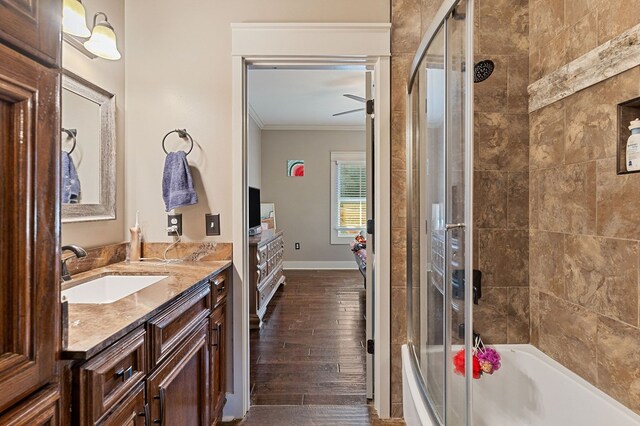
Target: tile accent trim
605,61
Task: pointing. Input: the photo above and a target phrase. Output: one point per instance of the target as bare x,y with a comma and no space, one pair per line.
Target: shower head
482,70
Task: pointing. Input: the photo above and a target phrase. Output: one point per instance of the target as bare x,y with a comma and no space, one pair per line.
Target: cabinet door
29,225
39,410
133,411
218,362
33,26
178,391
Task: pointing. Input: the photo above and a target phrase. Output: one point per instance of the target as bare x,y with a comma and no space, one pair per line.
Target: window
348,196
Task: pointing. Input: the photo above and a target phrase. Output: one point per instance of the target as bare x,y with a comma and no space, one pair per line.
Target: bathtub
530,389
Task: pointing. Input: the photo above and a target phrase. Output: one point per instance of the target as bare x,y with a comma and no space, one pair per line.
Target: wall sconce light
103,39
74,19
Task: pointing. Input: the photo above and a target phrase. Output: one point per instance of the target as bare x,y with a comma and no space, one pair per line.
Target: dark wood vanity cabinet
178,391
168,371
33,27
29,223
217,383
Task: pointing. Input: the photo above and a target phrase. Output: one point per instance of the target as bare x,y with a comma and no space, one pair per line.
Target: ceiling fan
355,98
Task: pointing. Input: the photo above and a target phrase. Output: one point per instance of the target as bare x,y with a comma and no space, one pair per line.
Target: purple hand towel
177,183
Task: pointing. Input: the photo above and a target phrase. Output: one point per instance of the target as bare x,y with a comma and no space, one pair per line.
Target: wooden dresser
265,272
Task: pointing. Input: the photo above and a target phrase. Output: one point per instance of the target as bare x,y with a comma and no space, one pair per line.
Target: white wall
303,204
254,154
110,75
178,74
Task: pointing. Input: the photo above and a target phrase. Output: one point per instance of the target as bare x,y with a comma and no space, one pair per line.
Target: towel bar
183,134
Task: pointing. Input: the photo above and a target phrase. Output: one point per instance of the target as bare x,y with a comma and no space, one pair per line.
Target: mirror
88,157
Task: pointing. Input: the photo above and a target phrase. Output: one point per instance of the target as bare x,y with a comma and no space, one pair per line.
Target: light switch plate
212,223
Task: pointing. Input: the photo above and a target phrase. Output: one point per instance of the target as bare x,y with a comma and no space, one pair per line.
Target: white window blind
350,207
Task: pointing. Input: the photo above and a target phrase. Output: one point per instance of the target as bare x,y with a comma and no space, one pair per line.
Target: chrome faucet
78,251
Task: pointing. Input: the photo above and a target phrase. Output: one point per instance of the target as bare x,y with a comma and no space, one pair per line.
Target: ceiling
290,99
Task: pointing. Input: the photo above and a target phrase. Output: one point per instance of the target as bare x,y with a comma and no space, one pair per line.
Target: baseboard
320,265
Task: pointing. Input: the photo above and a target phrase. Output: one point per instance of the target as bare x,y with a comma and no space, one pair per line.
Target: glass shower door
439,227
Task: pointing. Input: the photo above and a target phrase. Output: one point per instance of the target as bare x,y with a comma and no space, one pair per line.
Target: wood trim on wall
605,61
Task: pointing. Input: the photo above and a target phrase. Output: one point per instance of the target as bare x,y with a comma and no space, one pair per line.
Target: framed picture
268,215
295,168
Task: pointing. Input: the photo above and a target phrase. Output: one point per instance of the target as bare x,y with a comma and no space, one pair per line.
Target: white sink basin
109,288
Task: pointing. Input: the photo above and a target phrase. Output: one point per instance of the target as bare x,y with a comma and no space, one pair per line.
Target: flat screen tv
254,211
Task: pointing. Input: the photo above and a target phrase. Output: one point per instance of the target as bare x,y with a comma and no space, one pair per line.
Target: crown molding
256,117
314,127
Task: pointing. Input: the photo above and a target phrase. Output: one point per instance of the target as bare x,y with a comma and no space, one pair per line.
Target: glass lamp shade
74,20
103,42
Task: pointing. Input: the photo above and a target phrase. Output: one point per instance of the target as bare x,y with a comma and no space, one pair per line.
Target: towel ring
71,133
183,134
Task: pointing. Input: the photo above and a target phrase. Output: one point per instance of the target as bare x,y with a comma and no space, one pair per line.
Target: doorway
309,153
295,45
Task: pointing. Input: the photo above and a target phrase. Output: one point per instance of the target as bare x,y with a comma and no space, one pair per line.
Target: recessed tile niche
627,112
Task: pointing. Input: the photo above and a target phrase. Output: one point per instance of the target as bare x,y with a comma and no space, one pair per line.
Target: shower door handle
450,226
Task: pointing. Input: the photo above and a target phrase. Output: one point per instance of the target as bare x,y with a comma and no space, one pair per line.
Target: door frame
311,44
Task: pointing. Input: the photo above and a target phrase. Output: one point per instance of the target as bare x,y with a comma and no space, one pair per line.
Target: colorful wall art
295,168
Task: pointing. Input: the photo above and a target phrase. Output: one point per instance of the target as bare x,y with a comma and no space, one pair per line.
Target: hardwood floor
292,415
311,348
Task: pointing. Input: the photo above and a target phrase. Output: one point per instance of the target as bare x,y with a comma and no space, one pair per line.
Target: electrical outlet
297,246
212,224
174,220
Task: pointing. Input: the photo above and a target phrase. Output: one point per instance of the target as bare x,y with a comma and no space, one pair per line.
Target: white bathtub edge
415,412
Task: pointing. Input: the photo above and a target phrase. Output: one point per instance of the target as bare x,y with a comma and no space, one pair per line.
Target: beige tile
428,10
546,262
518,315
534,308
567,334
568,199
490,315
518,81
491,94
504,258
534,198
582,36
546,143
546,20
503,141
535,71
400,65
490,199
575,10
518,200
396,413
618,202
591,117
398,257
405,26
504,27
615,17
396,373
398,141
398,193
601,274
619,361
554,54
399,315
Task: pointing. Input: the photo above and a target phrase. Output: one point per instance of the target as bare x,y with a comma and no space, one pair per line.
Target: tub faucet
78,251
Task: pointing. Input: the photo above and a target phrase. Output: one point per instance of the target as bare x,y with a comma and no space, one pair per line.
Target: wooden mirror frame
106,208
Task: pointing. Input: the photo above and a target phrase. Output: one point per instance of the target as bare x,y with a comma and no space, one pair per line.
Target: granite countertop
93,327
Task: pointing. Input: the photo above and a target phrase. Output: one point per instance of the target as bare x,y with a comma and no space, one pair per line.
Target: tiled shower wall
584,219
501,170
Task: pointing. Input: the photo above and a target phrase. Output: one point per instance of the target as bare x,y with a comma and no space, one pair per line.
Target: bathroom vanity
155,356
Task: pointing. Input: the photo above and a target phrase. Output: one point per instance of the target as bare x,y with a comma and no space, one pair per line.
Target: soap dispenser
633,147
135,245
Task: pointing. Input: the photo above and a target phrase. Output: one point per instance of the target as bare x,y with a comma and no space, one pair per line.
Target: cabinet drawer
104,380
41,409
170,327
133,411
262,254
220,286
